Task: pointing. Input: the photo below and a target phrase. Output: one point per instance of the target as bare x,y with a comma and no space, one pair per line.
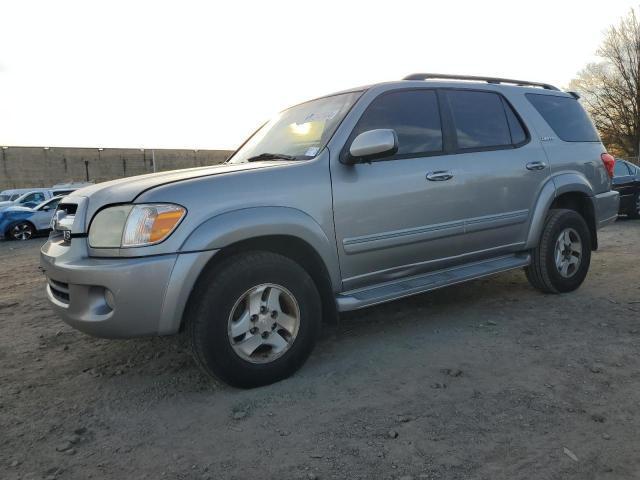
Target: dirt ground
486,380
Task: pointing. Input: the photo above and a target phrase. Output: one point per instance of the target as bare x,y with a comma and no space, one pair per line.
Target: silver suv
339,203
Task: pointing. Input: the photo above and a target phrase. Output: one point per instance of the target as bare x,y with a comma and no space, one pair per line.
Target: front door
394,215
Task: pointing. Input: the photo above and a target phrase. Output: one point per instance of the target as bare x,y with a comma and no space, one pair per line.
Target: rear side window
566,117
480,120
413,114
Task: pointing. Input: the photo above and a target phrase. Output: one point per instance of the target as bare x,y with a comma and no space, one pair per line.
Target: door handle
439,176
536,166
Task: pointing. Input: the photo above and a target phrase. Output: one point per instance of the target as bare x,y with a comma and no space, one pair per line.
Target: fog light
109,298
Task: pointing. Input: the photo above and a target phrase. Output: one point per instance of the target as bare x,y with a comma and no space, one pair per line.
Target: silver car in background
346,201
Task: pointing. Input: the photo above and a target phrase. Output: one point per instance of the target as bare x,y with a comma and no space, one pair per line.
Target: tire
21,231
544,273
634,212
223,303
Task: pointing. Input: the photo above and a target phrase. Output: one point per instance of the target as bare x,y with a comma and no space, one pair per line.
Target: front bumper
119,297
606,208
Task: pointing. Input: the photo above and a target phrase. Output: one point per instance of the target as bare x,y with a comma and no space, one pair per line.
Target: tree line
610,88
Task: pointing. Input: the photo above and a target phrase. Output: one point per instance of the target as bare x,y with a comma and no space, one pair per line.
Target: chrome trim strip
395,238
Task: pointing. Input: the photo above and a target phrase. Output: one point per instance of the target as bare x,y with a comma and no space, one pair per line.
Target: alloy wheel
568,252
22,231
264,323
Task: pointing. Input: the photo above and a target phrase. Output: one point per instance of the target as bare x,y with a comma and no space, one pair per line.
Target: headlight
125,226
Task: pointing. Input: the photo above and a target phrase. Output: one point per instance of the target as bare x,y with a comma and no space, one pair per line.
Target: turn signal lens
609,163
149,224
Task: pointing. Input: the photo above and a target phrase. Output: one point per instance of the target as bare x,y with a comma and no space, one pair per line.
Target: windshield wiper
270,156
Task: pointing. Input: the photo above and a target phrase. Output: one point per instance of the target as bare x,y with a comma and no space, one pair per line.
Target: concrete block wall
24,167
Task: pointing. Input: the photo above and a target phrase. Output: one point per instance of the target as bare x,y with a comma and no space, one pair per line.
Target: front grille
59,290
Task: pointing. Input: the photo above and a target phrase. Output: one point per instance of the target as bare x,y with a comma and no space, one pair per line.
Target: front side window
480,120
413,114
300,132
51,204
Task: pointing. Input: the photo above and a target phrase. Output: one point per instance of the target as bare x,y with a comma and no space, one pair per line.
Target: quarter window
480,120
566,117
413,114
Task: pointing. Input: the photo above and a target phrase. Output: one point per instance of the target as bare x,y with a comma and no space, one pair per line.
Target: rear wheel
21,231
254,319
561,260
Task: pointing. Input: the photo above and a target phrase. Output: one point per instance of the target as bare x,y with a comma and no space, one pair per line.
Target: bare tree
610,89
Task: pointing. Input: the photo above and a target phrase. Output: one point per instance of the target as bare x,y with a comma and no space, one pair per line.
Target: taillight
609,163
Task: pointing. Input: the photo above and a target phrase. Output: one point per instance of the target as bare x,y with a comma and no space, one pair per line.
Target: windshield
301,131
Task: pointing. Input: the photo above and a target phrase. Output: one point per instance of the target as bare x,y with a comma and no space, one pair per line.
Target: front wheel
561,260
21,231
254,319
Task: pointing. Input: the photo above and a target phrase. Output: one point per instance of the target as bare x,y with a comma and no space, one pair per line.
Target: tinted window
620,169
479,119
518,135
566,117
413,114
33,197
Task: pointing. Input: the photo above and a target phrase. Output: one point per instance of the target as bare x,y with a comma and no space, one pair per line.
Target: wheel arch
282,230
571,191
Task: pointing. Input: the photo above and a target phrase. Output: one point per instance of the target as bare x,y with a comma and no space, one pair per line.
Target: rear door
504,170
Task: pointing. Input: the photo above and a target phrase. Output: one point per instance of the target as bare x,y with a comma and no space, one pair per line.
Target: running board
385,292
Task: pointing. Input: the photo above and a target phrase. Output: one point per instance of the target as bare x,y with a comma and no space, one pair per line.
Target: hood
18,208
5,205
126,190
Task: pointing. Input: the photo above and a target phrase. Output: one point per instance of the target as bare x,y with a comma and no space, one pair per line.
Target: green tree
610,88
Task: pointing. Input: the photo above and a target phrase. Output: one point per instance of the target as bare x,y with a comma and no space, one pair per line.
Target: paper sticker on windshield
311,151
317,116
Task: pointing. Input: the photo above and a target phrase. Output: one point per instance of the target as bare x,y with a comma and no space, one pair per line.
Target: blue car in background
22,223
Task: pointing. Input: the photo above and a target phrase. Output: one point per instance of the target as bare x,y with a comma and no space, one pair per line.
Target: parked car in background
22,223
12,194
626,181
35,196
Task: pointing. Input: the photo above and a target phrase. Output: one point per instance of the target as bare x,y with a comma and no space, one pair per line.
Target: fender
243,224
555,186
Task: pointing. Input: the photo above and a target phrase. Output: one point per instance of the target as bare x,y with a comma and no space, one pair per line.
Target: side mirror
372,144
46,208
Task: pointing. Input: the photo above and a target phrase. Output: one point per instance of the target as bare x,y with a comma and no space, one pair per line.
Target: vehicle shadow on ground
165,363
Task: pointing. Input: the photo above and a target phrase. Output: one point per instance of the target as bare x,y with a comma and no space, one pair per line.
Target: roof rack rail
445,76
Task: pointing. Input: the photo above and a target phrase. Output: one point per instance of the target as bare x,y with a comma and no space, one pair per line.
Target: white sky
187,74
